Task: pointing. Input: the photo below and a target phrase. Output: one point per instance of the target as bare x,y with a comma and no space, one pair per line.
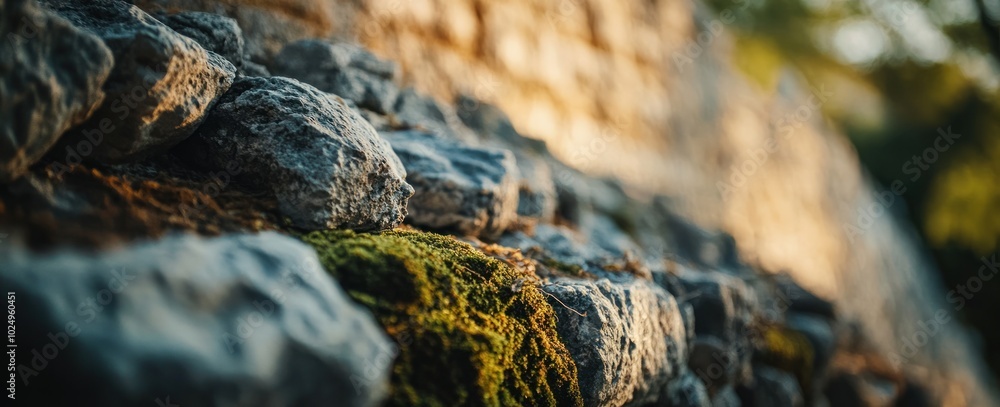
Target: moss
115,205
571,269
788,350
478,332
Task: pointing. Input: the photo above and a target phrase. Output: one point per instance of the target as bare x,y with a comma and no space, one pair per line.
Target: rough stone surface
238,320
346,70
51,75
268,25
326,166
213,32
469,190
629,342
160,88
537,191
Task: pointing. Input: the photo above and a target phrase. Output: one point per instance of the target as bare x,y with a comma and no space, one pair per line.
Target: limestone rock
470,190
325,165
239,320
346,70
51,75
161,87
629,342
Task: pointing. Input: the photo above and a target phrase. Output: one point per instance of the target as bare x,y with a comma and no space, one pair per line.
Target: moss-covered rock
478,332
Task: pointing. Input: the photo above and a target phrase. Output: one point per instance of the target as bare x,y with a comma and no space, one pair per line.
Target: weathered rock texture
51,74
469,190
346,70
325,165
159,90
213,32
600,81
275,22
239,320
627,338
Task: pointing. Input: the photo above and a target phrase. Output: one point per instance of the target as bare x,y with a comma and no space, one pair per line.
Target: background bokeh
903,70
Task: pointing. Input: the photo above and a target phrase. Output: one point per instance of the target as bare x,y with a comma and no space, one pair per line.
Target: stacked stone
651,309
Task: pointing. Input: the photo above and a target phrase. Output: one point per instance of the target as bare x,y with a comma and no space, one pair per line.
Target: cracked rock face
326,166
345,70
628,344
469,190
51,75
236,320
159,90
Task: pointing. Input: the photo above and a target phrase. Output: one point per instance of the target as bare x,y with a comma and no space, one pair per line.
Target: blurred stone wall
643,90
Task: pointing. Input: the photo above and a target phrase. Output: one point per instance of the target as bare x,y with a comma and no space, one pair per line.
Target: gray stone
537,191
820,334
239,320
160,88
715,362
724,308
727,397
216,33
775,388
346,70
51,75
325,165
465,189
417,111
627,339
685,391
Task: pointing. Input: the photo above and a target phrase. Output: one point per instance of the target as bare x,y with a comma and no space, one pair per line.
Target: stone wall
644,91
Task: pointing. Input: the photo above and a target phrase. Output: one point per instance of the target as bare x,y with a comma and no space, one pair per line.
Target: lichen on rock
472,330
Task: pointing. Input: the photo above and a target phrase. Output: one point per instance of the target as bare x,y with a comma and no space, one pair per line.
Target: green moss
476,333
571,269
788,350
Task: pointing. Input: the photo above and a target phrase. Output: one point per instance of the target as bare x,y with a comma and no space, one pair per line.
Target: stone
234,320
325,165
626,338
268,25
723,304
537,191
861,389
216,33
803,301
820,335
469,190
773,387
685,391
346,70
724,308
160,89
727,397
714,362
416,111
51,74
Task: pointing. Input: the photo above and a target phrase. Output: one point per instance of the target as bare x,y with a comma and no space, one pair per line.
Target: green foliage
471,330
